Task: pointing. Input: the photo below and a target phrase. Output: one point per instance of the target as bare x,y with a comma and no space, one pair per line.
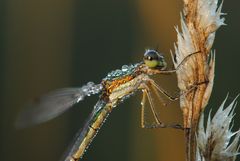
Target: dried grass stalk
199,22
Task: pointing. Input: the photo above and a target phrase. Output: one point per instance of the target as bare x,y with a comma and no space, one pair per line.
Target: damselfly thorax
117,86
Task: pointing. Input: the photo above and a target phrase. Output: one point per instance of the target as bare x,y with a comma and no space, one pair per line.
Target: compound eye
152,59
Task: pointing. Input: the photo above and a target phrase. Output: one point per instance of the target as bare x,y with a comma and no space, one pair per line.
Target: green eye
151,63
153,59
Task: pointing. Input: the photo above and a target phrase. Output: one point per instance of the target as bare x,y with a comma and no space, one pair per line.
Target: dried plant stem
194,100
200,21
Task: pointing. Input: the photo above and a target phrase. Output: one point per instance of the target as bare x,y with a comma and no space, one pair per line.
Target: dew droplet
124,68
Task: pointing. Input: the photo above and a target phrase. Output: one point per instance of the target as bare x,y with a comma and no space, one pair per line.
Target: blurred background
49,44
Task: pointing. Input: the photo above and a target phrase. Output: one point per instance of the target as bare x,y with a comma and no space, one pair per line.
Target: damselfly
117,86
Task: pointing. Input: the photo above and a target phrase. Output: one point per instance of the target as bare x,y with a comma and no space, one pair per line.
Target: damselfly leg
181,64
150,87
148,92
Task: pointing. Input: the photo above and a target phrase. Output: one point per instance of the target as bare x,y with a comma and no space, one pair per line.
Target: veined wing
55,103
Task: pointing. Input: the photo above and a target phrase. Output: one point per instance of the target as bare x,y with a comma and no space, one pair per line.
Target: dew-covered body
117,86
114,89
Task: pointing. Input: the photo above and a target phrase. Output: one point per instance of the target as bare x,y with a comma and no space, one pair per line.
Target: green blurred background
49,44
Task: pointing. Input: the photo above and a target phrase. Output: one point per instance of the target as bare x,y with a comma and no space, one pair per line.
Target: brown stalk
198,72
193,101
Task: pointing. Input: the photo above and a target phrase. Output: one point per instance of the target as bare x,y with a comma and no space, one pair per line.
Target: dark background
49,44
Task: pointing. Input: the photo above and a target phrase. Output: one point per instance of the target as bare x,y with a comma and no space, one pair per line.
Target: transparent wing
53,104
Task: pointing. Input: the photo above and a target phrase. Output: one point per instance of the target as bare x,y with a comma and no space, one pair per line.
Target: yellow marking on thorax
125,89
116,83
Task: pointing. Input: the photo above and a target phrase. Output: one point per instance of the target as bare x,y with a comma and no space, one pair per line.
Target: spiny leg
143,108
156,87
150,83
158,124
186,58
143,122
162,125
179,65
148,93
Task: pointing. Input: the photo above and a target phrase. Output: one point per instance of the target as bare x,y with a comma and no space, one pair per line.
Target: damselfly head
153,59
